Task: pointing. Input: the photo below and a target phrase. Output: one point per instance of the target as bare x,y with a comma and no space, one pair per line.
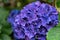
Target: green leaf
59,16
5,37
50,1
6,28
7,31
3,16
0,28
0,39
31,0
58,3
54,33
5,1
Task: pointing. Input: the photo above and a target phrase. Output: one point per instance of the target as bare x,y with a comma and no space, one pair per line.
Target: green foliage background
5,27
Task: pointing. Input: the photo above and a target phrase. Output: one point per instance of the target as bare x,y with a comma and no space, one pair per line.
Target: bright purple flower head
34,18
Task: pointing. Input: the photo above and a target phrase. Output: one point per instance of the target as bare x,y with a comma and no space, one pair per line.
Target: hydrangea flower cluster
33,21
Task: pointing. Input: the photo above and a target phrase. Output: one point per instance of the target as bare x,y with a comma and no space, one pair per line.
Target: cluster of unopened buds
33,21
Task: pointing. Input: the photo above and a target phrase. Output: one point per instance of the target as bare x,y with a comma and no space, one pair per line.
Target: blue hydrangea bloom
34,18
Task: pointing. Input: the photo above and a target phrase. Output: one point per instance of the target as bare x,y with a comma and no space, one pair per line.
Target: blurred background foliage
5,27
